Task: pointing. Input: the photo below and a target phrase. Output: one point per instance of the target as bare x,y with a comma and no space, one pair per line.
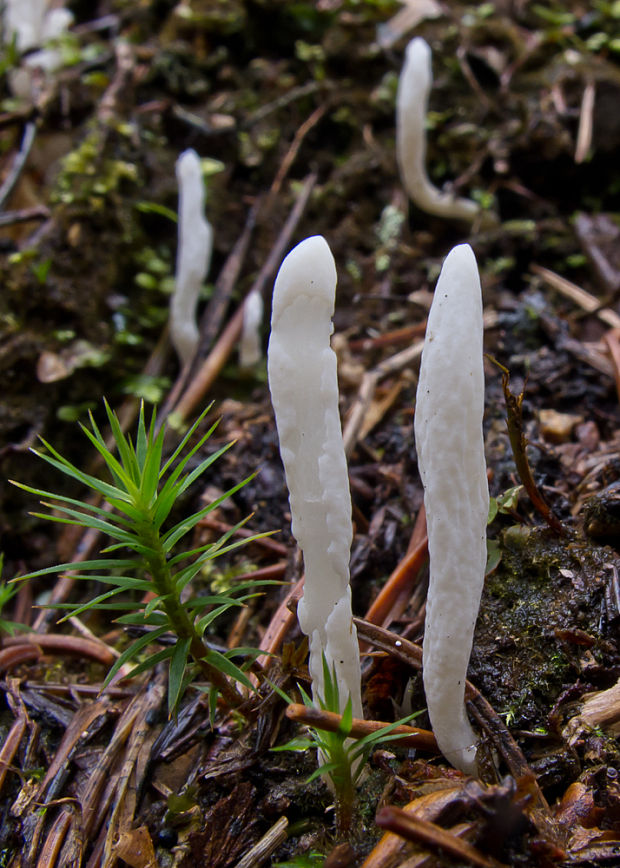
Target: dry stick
54,778
133,769
61,644
433,836
87,633
91,800
402,578
212,365
275,572
75,690
412,736
63,587
268,844
213,316
390,850
399,585
419,530
11,743
518,442
578,295
54,841
19,162
291,154
594,244
584,133
11,657
115,783
472,81
125,64
387,339
404,597
80,723
281,102
367,389
24,215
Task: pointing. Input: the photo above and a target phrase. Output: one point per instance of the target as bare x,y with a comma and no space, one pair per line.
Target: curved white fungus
450,447
32,25
249,345
193,256
414,87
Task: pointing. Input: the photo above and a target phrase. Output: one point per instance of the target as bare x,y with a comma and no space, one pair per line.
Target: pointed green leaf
178,662
221,662
133,649
176,533
152,661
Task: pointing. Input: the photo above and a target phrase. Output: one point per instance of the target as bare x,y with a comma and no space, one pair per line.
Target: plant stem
181,623
345,800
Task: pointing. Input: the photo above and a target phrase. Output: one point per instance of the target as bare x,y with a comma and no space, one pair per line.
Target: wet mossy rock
544,623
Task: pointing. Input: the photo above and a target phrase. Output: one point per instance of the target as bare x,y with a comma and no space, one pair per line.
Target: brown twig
432,836
19,161
10,657
213,316
11,744
586,114
388,339
24,215
268,844
518,442
55,839
291,154
578,295
368,386
412,736
108,108
399,583
57,643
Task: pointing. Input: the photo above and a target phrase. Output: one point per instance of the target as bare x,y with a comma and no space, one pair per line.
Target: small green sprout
341,758
144,569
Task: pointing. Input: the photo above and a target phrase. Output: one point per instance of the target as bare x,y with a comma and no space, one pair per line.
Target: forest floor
291,108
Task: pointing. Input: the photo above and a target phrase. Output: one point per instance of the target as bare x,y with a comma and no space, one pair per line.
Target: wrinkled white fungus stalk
193,256
414,87
304,392
24,18
450,447
33,25
249,345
